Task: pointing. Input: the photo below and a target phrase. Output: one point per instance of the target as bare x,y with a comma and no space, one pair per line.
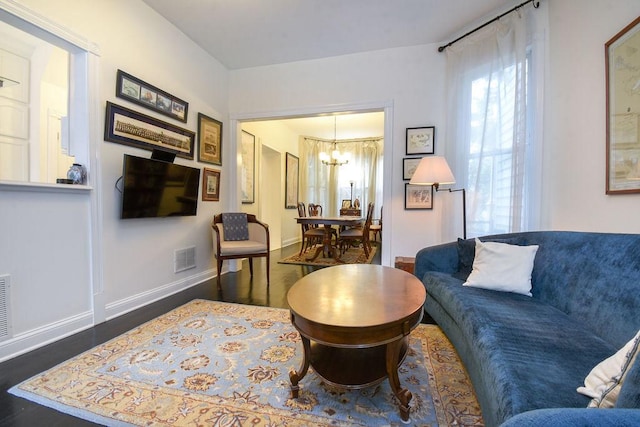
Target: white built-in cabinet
14,118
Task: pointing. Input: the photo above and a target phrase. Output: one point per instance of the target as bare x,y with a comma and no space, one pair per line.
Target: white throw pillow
604,382
502,267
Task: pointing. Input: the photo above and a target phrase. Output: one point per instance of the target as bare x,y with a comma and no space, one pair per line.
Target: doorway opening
317,123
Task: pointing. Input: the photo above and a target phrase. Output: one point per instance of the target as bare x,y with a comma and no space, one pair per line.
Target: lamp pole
351,197
464,210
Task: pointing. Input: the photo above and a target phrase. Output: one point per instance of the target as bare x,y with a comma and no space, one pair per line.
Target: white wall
576,118
278,137
48,246
411,78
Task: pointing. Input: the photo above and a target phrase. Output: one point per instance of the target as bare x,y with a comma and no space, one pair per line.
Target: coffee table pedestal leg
402,394
296,376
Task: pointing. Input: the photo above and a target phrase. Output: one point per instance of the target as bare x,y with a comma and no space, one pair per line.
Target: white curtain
329,185
494,126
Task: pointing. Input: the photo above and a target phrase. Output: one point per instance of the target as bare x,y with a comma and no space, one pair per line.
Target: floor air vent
184,259
5,318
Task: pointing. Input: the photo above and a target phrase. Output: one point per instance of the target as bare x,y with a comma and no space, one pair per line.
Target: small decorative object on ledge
77,174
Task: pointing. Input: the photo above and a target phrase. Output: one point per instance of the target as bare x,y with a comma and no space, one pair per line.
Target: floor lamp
434,170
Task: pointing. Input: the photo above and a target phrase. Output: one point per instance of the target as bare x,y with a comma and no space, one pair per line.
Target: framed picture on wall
209,140
421,140
248,168
291,186
210,185
418,196
623,111
139,92
409,166
128,127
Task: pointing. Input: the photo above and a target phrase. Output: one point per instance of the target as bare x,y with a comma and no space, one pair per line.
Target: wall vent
6,331
184,259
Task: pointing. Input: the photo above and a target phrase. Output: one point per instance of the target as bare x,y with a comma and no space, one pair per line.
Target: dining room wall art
209,140
129,127
139,92
247,171
292,181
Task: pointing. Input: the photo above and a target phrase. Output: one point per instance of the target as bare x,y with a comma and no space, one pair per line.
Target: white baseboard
46,334
291,241
134,302
39,337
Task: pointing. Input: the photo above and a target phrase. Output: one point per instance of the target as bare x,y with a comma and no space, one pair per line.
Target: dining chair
377,228
316,210
238,235
310,235
357,235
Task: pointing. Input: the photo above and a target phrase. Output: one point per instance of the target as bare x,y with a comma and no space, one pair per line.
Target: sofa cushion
467,250
605,380
502,267
521,345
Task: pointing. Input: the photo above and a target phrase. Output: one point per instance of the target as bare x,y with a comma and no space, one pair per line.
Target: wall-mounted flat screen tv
154,188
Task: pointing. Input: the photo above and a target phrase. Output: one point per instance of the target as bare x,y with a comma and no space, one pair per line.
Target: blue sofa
527,355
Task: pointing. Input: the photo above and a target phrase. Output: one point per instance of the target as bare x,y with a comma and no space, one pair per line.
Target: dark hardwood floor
236,287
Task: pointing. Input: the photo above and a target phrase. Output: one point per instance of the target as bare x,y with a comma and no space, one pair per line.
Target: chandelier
336,158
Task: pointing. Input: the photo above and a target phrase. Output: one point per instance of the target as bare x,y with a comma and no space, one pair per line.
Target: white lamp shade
432,170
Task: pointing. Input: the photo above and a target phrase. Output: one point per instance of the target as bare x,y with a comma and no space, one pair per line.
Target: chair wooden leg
219,265
268,269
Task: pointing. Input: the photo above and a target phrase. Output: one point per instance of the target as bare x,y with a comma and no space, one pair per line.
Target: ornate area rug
353,255
220,364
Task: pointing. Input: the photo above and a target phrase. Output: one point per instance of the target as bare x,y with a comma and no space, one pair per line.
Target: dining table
328,222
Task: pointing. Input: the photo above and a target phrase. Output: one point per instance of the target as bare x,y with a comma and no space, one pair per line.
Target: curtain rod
536,4
341,141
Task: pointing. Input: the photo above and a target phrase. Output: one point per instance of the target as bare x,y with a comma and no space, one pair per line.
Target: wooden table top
329,220
356,296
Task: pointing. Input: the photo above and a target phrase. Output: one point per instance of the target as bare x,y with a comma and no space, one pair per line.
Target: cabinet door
14,119
16,68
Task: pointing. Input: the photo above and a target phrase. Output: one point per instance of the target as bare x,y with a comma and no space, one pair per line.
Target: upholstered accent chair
243,236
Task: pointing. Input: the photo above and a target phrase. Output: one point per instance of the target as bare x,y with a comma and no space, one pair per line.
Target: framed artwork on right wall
421,140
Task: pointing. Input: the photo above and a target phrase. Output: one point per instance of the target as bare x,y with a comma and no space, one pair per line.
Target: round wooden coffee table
355,321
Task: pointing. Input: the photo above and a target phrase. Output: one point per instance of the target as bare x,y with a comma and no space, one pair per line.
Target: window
493,108
494,178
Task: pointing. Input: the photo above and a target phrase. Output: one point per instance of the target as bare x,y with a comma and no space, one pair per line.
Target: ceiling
250,33
346,126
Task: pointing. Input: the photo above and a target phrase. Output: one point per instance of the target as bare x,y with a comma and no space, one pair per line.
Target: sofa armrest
443,258
585,417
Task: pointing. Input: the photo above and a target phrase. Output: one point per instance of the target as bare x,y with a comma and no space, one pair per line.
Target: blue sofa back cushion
593,277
